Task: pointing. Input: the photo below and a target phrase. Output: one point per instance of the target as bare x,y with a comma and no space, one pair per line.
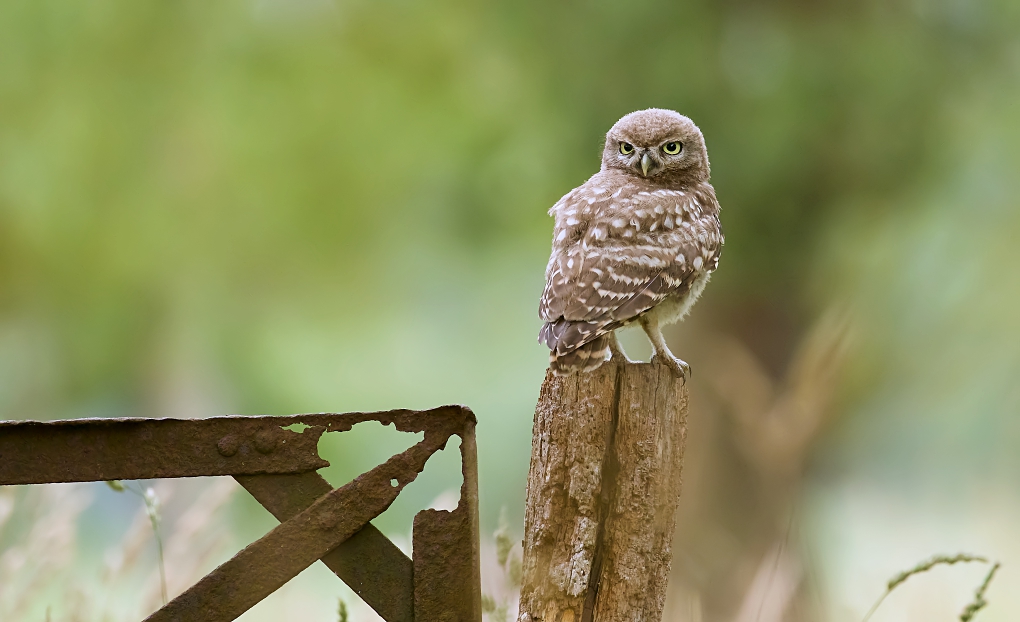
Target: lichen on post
603,488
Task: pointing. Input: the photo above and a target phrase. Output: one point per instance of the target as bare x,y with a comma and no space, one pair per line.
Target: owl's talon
616,353
678,366
619,357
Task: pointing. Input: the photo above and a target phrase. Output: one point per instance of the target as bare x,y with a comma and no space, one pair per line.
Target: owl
635,243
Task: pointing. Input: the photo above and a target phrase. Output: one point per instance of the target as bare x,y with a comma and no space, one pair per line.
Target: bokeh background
282,206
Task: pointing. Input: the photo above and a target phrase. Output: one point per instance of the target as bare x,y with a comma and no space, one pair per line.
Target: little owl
636,242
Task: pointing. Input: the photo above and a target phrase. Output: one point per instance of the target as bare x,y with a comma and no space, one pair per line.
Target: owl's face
659,145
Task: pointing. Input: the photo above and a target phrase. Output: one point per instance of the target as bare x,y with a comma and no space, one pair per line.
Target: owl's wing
607,287
617,269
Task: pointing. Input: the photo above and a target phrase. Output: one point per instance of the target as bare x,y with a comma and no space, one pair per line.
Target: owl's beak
646,163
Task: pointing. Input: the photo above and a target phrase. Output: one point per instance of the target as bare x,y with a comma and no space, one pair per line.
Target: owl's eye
626,148
671,148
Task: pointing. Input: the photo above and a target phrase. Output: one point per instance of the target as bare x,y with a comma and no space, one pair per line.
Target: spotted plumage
636,242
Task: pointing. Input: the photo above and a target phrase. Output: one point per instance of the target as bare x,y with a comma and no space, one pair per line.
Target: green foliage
268,206
503,544
488,604
497,607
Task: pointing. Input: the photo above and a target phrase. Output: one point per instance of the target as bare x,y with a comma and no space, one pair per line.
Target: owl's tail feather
585,358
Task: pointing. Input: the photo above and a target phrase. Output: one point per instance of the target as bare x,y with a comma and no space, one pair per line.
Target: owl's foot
617,355
661,353
678,366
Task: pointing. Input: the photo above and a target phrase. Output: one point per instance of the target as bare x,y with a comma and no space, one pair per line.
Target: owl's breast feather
674,308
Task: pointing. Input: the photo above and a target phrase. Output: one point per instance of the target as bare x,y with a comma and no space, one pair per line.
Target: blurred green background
271,206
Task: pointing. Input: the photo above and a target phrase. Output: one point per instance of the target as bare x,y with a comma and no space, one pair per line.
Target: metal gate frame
441,581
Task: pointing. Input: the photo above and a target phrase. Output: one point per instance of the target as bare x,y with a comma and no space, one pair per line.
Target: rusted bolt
266,440
227,446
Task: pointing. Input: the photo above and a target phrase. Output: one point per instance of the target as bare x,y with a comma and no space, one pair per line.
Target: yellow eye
671,148
626,148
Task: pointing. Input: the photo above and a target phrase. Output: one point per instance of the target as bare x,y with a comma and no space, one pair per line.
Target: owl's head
659,145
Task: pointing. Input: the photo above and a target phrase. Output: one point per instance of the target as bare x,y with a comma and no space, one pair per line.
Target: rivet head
266,440
227,446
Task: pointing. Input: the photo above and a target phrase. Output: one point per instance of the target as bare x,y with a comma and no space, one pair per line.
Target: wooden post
603,488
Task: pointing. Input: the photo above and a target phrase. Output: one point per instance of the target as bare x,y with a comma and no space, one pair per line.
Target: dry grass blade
979,601
6,504
44,553
931,563
152,506
925,566
198,535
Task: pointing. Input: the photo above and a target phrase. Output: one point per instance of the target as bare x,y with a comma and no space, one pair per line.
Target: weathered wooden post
603,488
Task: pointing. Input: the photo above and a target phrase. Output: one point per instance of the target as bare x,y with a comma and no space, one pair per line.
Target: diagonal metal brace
368,562
267,564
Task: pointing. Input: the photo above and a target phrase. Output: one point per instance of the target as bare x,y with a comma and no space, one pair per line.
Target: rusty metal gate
440,583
